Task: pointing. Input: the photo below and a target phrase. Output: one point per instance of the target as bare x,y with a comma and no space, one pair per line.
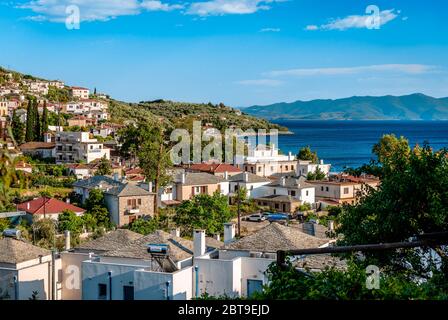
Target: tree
89,221
4,224
307,155
96,198
146,141
144,226
412,199
101,215
30,121
8,176
18,128
203,212
45,119
44,232
104,167
37,124
316,175
68,220
336,284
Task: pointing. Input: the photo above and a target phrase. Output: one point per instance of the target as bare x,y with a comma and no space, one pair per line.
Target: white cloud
270,30
94,10
311,27
393,68
355,21
154,5
261,82
223,7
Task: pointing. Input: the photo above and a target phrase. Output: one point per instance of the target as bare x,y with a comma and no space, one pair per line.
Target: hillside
172,114
410,107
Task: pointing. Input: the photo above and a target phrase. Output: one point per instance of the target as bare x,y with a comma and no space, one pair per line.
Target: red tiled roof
33,145
215,167
48,206
79,88
133,171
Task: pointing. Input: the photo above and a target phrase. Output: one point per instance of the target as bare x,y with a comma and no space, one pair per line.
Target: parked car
277,217
256,217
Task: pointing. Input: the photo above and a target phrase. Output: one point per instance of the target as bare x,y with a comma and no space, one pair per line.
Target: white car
256,217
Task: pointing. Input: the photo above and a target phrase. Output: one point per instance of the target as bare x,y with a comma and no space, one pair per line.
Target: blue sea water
349,143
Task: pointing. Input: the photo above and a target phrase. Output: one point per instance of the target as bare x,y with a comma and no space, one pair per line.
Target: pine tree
37,133
29,135
44,128
18,127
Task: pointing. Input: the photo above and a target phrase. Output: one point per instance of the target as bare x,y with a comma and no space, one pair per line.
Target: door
128,293
254,286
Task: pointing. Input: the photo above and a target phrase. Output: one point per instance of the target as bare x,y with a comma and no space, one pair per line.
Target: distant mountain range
410,107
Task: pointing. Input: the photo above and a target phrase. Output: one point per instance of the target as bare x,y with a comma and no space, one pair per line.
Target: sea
349,143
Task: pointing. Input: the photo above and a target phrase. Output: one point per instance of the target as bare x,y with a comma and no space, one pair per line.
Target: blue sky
240,52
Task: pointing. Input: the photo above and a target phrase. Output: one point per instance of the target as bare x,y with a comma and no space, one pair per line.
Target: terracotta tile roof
214,167
48,206
34,145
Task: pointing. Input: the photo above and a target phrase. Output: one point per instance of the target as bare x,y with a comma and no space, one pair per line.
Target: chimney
290,156
183,178
67,200
331,225
27,206
321,161
217,237
150,186
175,232
67,240
116,176
226,175
283,181
198,243
246,177
229,232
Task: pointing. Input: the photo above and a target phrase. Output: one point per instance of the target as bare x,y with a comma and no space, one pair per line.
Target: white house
255,185
79,92
297,188
73,147
304,167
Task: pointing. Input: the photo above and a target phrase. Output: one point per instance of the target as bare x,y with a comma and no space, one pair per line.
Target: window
128,292
346,190
327,189
139,201
293,193
102,291
276,206
321,188
286,168
259,169
275,191
307,192
292,167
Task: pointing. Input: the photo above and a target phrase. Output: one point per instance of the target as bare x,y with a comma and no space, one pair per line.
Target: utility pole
239,210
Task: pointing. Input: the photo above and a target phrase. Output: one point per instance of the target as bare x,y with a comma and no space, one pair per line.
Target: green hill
409,107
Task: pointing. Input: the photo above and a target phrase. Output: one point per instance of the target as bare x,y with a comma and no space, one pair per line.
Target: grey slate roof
201,178
179,248
127,190
252,178
276,237
96,181
15,251
110,241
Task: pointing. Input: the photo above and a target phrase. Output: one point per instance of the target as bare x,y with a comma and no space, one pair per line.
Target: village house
3,108
56,83
26,270
190,184
38,149
24,167
304,167
265,161
338,190
222,170
254,185
279,203
103,183
78,146
128,202
47,208
81,121
79,92
297,188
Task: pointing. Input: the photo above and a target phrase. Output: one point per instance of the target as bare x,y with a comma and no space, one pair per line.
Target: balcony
132,211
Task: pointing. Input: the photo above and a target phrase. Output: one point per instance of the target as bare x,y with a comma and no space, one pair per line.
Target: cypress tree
29,134
17,127
44,128
37,133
